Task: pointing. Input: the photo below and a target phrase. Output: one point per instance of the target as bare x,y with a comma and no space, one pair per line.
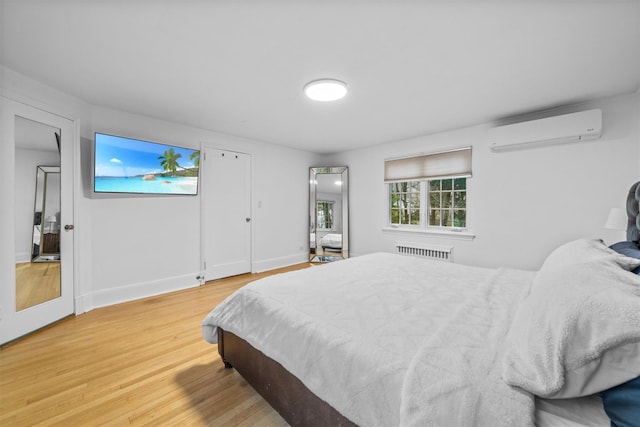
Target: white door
19,122
226,213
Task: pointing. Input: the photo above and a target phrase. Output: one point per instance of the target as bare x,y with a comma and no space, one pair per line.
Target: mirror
46,215
328,213
37,213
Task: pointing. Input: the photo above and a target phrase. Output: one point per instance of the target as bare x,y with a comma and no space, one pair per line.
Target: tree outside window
445,201
405,202
448,203
325,215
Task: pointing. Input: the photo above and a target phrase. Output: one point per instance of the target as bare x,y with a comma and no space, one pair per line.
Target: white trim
285,261
36,103
120,294
23,257
447,234
78,192
424,226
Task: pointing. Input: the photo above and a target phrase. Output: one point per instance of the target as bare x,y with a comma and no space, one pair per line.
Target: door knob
68,227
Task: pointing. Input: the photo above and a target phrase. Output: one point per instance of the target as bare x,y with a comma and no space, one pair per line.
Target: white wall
282,219
133,247
521,204
147,245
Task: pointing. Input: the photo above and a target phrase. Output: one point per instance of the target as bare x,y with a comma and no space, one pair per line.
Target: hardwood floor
139,363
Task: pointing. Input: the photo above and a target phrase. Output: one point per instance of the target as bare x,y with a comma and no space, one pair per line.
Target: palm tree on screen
169,160
195,156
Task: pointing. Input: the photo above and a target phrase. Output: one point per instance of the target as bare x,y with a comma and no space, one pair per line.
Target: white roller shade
448,164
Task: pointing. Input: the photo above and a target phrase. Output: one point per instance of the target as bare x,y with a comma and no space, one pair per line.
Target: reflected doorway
38,211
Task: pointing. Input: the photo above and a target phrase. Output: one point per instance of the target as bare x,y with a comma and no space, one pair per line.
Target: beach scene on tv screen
124,165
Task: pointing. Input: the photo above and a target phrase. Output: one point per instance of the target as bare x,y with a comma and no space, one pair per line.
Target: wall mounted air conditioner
574,127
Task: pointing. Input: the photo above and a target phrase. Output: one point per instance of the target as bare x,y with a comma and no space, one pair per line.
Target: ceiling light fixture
325,90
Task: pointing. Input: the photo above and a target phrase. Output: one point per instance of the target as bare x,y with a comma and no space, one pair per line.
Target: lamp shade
617,220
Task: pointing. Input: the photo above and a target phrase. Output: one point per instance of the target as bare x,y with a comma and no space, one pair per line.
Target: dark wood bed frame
282,390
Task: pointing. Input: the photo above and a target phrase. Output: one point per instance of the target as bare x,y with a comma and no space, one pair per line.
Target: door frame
203,222
16,324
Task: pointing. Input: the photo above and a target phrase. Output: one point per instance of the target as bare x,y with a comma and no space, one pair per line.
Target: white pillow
578,331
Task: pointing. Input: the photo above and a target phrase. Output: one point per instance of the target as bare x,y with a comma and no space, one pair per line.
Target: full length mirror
37,213
328,213
46,215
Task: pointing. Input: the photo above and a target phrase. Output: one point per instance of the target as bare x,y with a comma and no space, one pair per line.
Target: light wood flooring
36,282
139,363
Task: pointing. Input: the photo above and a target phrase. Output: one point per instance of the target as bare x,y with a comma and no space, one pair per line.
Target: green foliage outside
447,202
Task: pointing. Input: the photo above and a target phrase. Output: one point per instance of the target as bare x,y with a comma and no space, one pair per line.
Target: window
325,215
446,207
448,203
405,202
429,190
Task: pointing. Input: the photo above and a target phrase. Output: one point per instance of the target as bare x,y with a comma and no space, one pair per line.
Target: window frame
425,206
331,204
451,206
391,208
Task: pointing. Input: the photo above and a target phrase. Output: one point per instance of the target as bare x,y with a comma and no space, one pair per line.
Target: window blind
447,164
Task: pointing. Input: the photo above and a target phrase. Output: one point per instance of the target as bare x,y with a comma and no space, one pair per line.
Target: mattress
407,340
331,240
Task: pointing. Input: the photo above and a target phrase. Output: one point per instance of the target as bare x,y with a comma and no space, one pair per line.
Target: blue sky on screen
117,156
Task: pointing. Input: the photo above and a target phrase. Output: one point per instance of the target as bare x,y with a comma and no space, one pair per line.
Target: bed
331,241
385,340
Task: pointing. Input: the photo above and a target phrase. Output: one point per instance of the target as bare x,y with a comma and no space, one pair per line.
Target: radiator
437,252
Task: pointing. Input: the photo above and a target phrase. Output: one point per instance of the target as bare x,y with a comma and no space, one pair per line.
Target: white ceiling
413,67
327,183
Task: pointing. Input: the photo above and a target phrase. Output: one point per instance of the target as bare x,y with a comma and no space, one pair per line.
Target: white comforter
331,240
389,340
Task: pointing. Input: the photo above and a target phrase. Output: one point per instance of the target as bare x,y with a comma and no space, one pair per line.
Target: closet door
226,213
35,290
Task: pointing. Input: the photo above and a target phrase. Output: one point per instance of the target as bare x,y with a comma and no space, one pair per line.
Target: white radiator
437,252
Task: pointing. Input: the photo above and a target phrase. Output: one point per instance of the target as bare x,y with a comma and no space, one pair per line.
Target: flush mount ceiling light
325,89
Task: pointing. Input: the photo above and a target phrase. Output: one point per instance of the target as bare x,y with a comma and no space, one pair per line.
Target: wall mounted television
131,166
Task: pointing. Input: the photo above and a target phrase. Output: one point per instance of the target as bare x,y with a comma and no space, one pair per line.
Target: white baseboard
273,263
106,297
23,257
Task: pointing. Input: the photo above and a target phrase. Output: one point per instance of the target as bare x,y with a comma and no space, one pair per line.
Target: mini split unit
574,127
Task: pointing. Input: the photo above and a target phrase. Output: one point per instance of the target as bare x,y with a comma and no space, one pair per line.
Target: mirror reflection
328,213
37,213
46,215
